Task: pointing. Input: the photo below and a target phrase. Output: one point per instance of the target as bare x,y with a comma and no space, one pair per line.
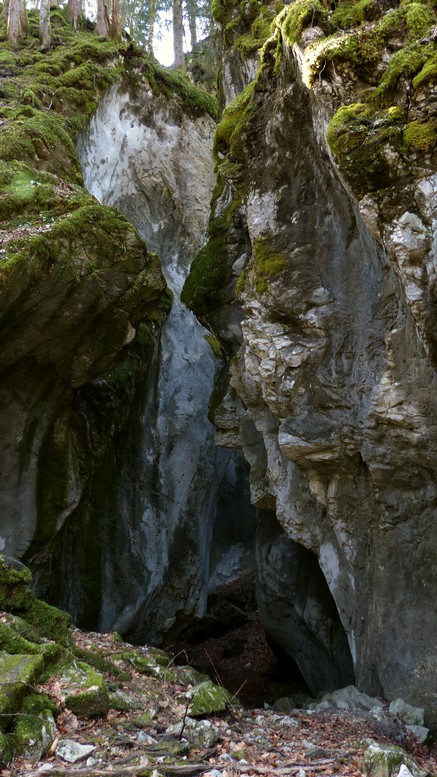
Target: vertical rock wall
335,375
153,162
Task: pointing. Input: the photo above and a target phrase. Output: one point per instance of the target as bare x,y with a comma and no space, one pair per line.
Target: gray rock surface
72,751
336,374
412,715
154,163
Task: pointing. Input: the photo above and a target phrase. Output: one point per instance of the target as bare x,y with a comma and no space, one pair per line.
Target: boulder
18,673
388,761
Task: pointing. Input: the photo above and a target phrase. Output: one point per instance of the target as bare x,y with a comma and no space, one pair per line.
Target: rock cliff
112,485
323,233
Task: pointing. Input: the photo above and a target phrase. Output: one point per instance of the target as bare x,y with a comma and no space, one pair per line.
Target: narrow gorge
218,337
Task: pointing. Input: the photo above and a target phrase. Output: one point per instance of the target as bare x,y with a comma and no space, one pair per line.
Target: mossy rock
207,698
189,676
421,136
50,622
358,137
100,662
6,749
34,729
159,656
86,691
16,597
208,274
267,265
386,760
146,664
138,721
299,15
124,702
12,642
15,579
19,673
227,140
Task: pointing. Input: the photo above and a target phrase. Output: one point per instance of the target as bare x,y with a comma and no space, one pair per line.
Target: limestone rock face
69,310
336,370
153,161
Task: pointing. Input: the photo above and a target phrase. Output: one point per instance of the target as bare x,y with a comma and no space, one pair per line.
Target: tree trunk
14,22
152,19
178,34
102,21
116,20
192,16
45,36
24,25
6,10
74,11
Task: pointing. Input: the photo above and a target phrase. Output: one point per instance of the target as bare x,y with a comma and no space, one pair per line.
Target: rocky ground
157,723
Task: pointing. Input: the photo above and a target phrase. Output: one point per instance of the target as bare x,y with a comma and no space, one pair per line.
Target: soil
242,661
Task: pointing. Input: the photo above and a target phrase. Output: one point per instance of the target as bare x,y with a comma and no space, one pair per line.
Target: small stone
409,714
420,733
146,739
350,698
404,772
201,733
72,752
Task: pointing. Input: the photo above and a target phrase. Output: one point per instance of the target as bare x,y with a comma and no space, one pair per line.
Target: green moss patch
421,136
86,693
208,274
300,14
358,138
146,664
34,729
18,674
266,265
227,139
208,698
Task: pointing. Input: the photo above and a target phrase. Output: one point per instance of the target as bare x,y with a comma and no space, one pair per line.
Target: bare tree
178,34
45,34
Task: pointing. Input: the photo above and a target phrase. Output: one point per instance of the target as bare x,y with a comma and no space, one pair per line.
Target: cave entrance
230,646
275,633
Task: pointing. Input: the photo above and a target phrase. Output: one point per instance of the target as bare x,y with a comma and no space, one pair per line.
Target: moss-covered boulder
34,729
387,760
85,690
38,618
18,673
207,698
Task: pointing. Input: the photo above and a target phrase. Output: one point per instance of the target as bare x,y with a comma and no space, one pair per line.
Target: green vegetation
97,674
420,135
266,265
300,14
227,139
357,38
